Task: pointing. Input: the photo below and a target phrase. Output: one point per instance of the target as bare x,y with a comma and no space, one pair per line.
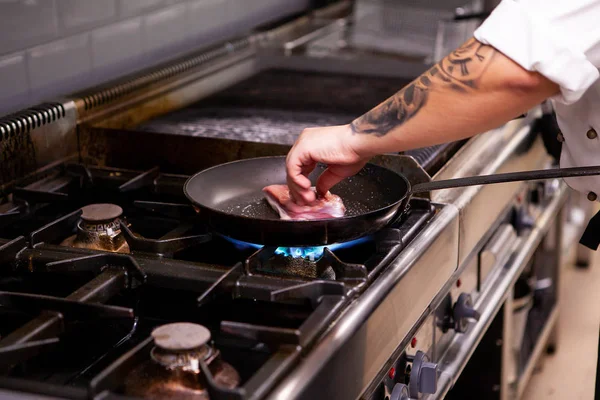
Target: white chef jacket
560,39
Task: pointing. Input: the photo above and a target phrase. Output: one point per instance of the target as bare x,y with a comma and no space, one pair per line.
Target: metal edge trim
31,118
171,70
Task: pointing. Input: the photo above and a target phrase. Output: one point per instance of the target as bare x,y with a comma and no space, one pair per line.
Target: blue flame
311,253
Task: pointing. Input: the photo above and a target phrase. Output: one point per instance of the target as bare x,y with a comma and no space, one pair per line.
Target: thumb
328,179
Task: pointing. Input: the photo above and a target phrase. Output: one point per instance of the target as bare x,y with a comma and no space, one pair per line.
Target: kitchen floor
570,373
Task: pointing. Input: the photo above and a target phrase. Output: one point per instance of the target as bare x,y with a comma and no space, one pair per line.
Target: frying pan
230,197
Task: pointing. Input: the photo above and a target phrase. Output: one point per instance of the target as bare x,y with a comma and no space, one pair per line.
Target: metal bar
343,271
8,217
179,275
169,209
100,289
55,229
15,353
9,251
309,290
267,334
507,362
270,372
70,308
137,182
259,258
96,262
216,391
541,174
80,171
315,34
161,272
259,287
226,281
320,318
163,245
41,389
32,196
111,376
44,326
179,231
51,184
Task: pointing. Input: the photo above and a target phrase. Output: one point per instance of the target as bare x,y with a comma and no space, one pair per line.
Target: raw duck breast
328,206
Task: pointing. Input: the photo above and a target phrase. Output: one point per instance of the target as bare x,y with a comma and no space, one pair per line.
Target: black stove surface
76,320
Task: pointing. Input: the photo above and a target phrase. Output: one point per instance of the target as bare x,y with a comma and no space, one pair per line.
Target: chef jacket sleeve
557,38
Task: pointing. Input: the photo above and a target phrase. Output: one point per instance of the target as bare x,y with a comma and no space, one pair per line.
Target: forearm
471,91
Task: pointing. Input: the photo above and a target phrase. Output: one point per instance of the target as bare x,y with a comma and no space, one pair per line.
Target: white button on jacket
560,39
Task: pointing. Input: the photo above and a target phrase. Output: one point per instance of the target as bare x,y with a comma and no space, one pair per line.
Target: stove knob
423,376
536,193
523,220
463,312
400,392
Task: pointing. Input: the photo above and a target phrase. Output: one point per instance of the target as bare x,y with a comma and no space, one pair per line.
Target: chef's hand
333,146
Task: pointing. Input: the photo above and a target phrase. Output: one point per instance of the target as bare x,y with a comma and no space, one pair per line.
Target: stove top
111,284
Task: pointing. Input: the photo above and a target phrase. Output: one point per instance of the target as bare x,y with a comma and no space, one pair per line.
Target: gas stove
99,261
113,286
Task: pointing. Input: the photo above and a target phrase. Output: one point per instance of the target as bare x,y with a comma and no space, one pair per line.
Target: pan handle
507,177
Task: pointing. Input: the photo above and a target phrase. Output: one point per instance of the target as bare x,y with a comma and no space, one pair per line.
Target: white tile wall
116,48
128,8
13,79
61,65
205,16
50,48
26,23
79,15
164,30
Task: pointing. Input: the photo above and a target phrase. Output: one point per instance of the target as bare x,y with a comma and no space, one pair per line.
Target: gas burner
99,229
310,262
317,262
175,370
293,262
309,253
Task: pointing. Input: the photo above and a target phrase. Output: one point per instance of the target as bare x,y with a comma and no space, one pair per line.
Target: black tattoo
460,71
397,109
467,64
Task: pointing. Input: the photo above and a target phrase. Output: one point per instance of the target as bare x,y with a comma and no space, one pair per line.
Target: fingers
298,168
328,179
301,194
334,174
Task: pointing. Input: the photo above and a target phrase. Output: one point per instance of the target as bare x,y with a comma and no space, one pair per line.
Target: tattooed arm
472,90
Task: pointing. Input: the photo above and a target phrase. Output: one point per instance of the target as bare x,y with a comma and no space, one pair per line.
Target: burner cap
101,212
180,336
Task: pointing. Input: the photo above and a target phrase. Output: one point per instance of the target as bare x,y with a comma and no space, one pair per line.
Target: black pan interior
236,188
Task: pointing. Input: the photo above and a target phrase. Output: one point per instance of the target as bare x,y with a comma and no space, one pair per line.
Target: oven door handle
496,252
